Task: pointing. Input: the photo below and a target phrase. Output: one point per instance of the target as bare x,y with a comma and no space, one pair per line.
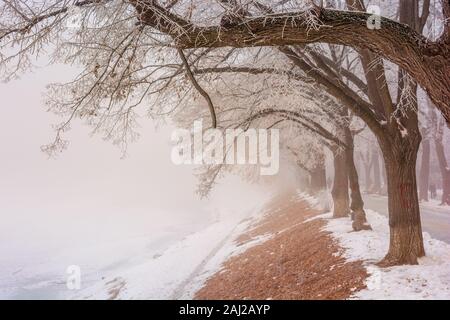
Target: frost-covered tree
148,52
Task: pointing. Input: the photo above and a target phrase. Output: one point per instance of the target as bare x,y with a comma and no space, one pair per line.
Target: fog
89,194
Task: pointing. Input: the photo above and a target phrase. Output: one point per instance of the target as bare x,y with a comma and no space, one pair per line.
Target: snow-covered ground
174,261
178,271
430,279
160,261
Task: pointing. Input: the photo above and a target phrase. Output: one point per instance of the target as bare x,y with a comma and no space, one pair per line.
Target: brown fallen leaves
300,261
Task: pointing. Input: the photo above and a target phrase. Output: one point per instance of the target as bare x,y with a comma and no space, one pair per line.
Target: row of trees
433,129
432,168
314,70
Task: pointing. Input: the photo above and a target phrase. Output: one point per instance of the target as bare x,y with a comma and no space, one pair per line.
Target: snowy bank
180,270
430,279
150,255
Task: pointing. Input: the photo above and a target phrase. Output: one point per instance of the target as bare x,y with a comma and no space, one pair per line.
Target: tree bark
400,144
385,184
357,204
424,175
406,241
340,185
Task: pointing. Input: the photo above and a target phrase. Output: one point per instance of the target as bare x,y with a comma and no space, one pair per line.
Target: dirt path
299,261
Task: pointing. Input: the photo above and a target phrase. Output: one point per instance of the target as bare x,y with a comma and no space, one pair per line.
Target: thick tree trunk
406,242
340,186
385,184
357,204
424,175
400,145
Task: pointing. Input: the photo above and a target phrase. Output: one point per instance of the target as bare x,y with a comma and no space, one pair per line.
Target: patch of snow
151,260
404,132
215,263
180,270
320,201
327,215
430,279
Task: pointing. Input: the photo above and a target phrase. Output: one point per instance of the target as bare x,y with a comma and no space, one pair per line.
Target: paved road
435,221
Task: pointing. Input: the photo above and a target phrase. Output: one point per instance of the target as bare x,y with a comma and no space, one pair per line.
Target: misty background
58,209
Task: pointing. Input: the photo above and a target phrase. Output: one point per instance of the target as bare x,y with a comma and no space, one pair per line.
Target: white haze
89,195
